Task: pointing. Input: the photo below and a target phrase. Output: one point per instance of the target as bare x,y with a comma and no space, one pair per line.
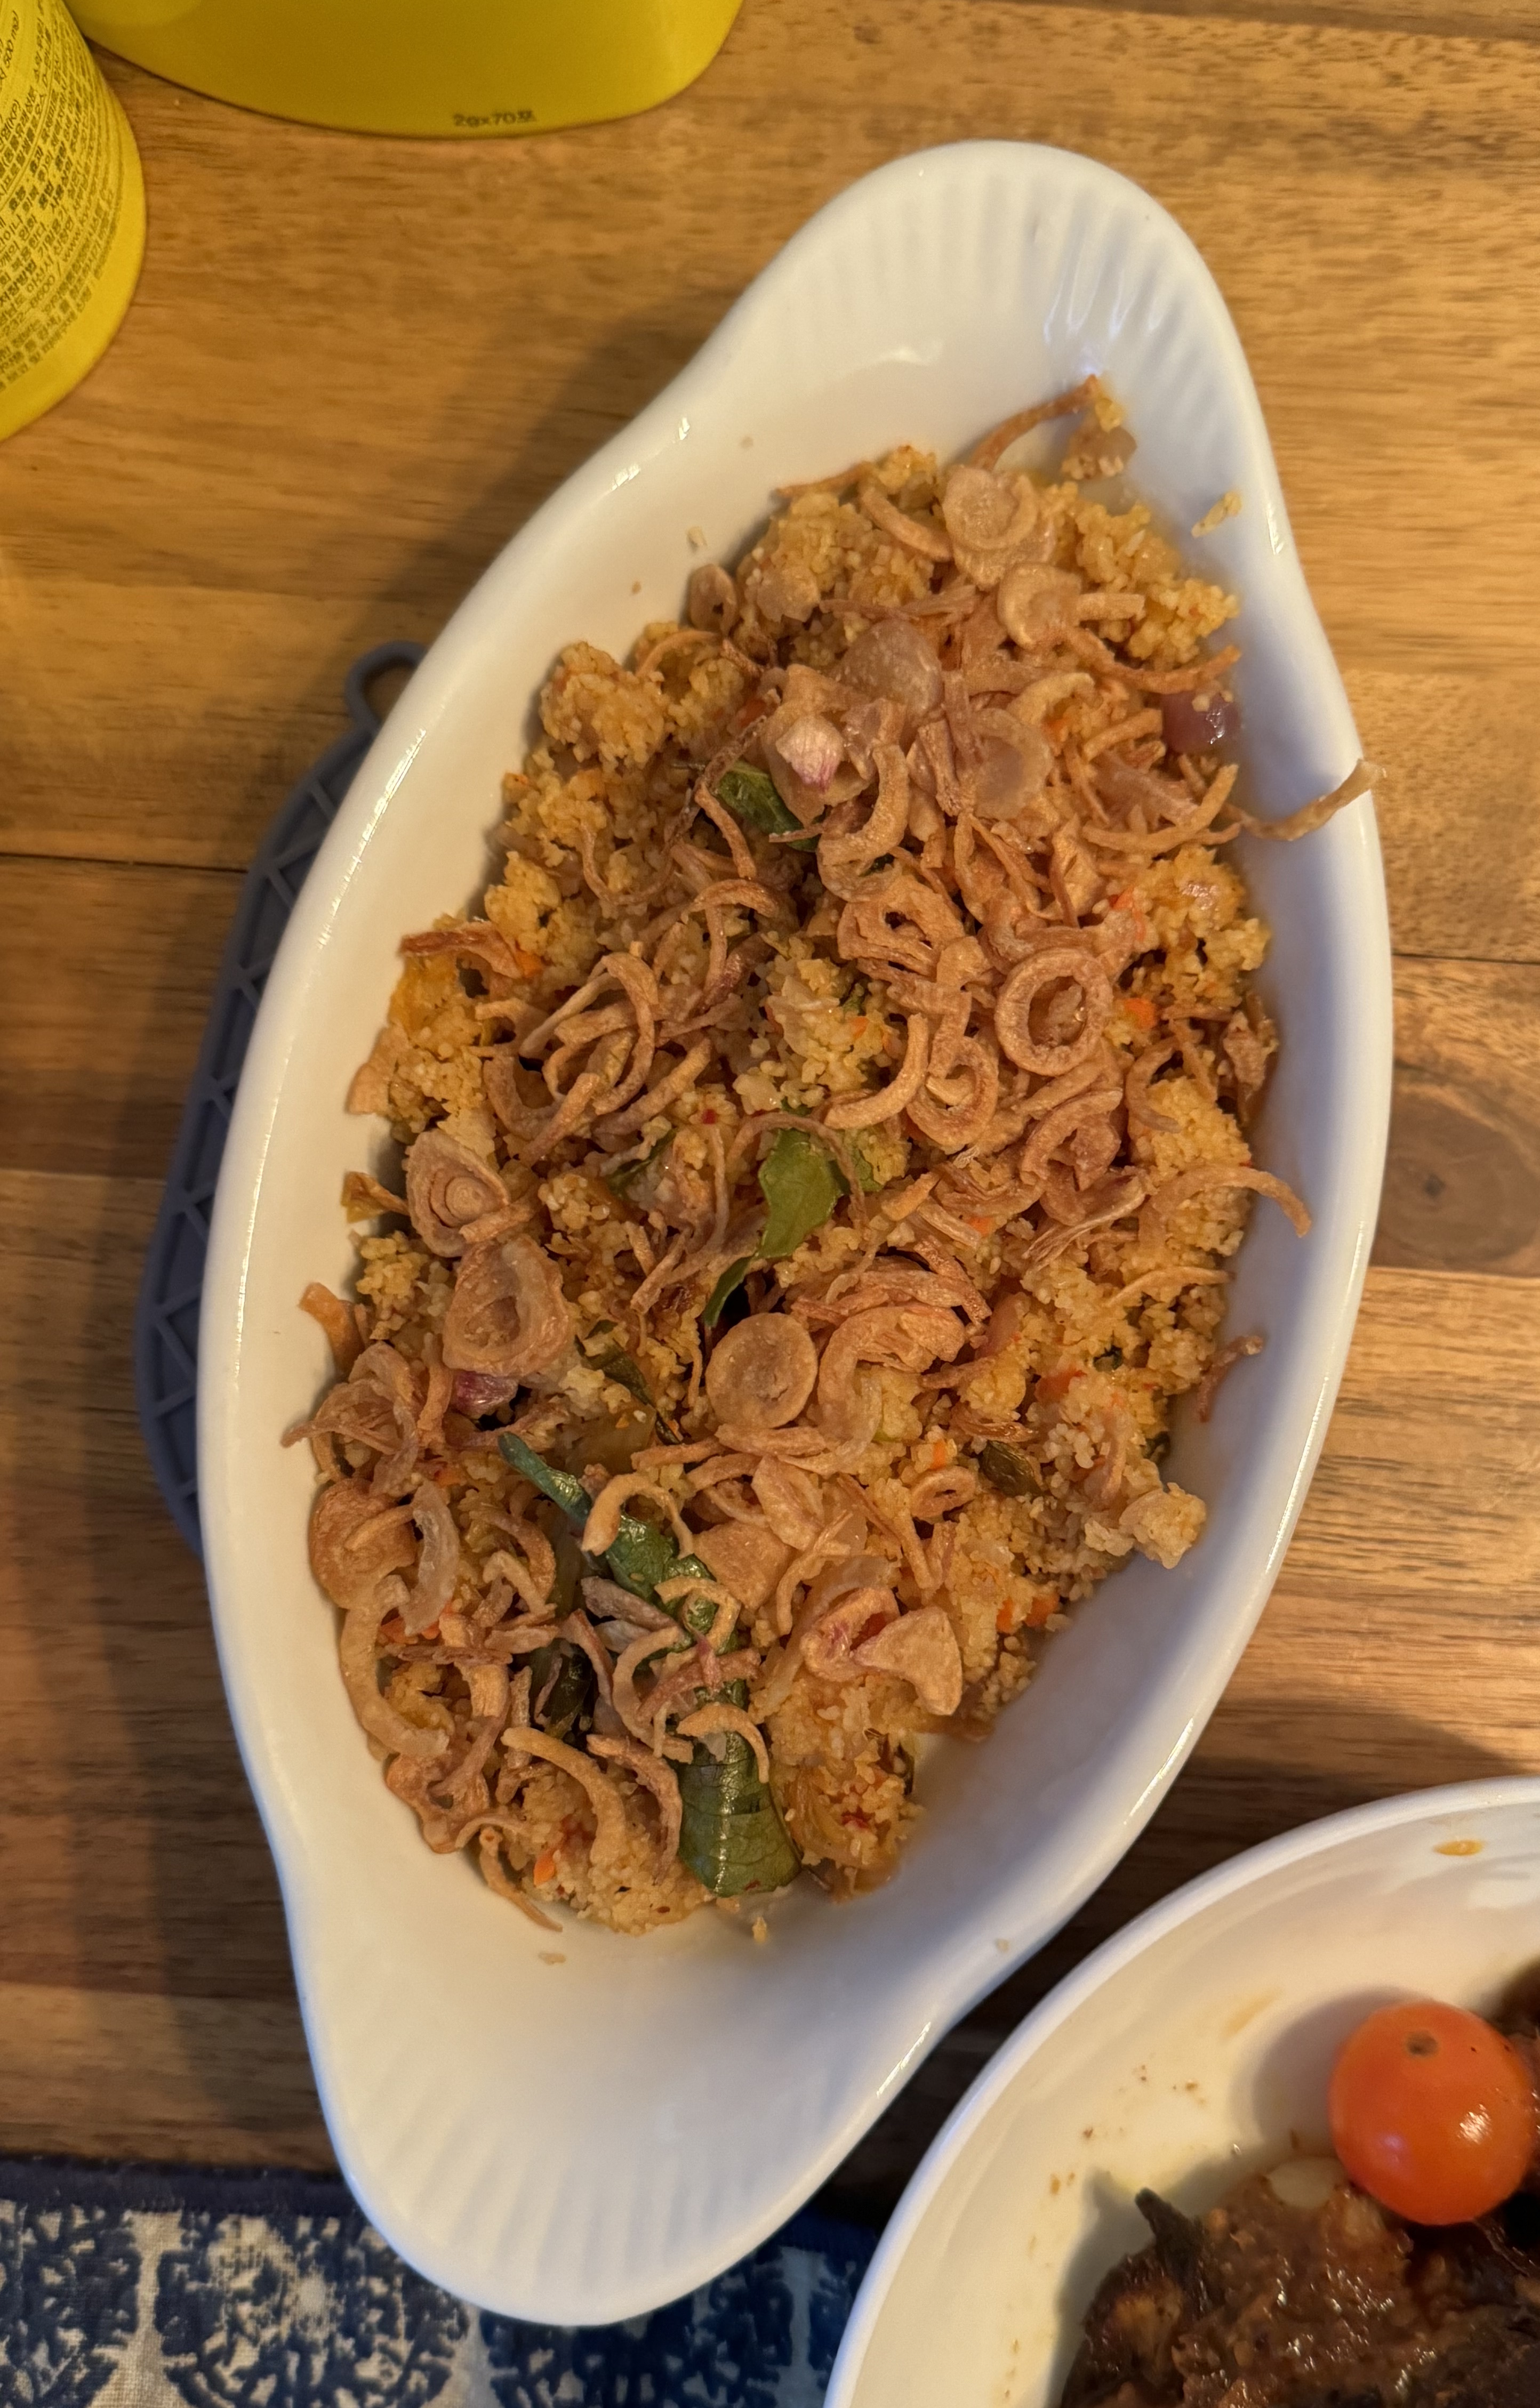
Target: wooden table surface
355,365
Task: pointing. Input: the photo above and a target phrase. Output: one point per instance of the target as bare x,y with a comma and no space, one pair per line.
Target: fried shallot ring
1236,1351
508,1313
1165,839
887,1103
361,1675
1013,1009
656,1775
1361,779
762,1371
609,1825
657,1099
1208,1176
707,1720
931,542
921,1648
627,1705
993,446
447,1186
602,1528
904,1337
336,1320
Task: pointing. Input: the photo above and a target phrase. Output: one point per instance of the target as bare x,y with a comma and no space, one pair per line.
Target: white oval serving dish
579,2141
1185,2052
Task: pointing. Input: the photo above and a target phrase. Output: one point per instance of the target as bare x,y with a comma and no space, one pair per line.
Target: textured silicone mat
141,2287
165,1326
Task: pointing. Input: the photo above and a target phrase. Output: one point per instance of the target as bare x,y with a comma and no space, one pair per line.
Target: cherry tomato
1432,2111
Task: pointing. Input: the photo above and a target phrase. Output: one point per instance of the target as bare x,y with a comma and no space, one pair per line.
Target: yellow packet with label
466,68
71,210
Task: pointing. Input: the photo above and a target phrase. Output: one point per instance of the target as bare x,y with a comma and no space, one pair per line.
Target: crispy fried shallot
657,1776
508,1315
447,1186
821,1150
762,1371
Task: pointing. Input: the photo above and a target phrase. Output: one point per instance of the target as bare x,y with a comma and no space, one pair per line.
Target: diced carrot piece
529,965
545,1868
1139,1008
1055,1385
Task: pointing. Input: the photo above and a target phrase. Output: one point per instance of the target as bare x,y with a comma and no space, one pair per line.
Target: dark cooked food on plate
1303,2289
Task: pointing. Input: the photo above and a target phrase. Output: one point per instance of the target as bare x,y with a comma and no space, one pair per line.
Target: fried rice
820,1158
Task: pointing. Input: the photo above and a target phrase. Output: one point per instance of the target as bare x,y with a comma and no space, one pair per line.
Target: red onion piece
814,750
1201,722
478,1392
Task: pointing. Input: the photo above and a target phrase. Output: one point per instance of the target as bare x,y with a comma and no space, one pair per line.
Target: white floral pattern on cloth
136,2289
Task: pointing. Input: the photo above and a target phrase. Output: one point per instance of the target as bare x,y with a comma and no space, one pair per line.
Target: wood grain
1462,1178
105,980
353,369
1487,21
1363,200
128,2075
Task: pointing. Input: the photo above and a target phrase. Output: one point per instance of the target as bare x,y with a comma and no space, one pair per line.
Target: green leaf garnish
731,1279
750,795
621,1181
733,1837
642,1553
751,798
564,1488
627,1373
570,1692
801,1183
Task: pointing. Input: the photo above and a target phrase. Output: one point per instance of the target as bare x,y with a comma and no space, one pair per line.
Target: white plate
582,2141
1182,2054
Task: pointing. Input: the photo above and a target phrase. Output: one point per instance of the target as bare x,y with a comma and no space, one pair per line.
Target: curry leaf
864,1173
731,1279
733,1837
801,1183
642,1556
564,1488
627,1373
561,1686
621,1181
751,797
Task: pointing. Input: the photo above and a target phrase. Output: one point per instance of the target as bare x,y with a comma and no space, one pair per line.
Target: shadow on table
1220,1804
627,367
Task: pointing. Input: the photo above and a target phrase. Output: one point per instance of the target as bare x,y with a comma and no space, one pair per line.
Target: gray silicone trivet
166,1321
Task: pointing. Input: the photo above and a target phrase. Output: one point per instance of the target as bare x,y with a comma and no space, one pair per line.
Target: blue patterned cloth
127,2288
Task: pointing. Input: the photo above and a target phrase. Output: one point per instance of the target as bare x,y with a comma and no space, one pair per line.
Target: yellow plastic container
468,67
71,210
